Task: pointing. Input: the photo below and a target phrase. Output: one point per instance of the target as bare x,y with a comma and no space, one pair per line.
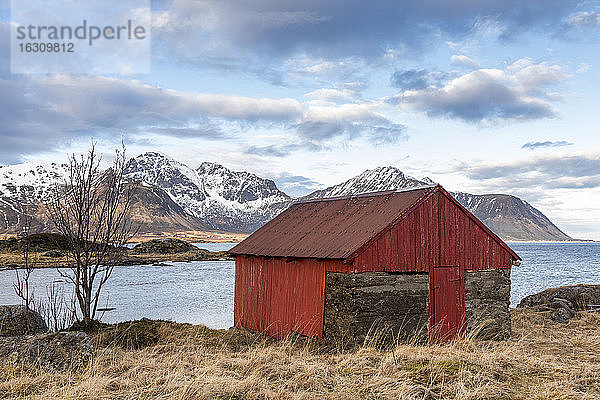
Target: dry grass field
158,360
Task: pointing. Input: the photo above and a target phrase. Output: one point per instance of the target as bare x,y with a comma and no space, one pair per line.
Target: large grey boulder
579,296
562,314
14,321
60,351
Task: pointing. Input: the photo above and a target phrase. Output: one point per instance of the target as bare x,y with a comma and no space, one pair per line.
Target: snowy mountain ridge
29,181
212,196
508,216
174,197
371,180
223,199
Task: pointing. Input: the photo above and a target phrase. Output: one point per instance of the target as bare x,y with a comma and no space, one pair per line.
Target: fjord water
199,292
202,292
547,265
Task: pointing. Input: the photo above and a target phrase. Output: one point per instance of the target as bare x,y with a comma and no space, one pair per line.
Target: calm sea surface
202,292
547,265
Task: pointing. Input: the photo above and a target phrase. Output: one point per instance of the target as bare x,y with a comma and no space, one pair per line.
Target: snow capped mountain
29,182
22,187
223,199
180,182
238,187
172,197
508,216
155,212
372,180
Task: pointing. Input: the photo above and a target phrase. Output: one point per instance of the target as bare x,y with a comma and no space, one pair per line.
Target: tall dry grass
543,360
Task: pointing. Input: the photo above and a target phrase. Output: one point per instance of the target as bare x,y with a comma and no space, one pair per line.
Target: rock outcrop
579,296
562,310
14,321
164,246
59,351
23,341
564,301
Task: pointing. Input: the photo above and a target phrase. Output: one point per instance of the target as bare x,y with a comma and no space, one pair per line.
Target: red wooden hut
411,262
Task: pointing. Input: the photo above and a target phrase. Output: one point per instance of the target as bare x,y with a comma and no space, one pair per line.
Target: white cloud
276,31
583,67
516,93
585,18
565,187
331,95
109,100
344,112
566,171
463,61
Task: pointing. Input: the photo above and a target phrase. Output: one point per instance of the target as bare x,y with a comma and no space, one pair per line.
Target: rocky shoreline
564,301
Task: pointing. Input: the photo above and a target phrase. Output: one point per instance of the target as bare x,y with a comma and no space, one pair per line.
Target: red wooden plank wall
275,296
435,234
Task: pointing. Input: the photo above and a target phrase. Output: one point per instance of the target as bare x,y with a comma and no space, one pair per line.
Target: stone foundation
376,307
382,307
487,301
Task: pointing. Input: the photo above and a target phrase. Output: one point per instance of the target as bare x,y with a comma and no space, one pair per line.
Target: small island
50,250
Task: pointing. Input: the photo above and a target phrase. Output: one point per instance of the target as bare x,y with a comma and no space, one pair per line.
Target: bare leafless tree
90,208
59,310
22,285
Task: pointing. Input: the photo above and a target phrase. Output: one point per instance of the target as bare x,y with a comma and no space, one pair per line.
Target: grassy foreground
543,360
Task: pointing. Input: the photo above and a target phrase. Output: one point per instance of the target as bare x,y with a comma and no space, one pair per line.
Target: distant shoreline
193,237
14,260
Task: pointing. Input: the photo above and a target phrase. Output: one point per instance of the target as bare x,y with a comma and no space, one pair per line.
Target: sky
482,96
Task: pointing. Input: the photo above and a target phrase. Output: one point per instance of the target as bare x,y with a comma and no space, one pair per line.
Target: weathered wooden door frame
461,305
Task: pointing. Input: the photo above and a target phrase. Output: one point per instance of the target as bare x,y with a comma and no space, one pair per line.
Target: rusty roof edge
396,220
290,257
481,224
361,195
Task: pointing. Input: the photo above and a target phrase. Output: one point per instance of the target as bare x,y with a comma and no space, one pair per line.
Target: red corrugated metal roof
330,228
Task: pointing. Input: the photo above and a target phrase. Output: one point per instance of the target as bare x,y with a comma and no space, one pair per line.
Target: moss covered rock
37,242
164,246
14,321
60,351
579,296
134,334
